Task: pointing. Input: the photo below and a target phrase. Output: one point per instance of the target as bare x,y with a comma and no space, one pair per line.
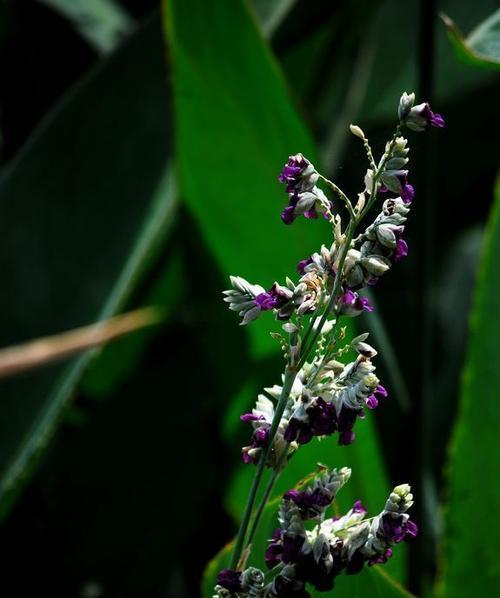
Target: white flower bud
386,236
357,131
405,105
365,350
375,264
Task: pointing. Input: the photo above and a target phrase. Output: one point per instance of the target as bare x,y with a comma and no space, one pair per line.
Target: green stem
263,503
351,228
335,292
289,378
341,194
291,372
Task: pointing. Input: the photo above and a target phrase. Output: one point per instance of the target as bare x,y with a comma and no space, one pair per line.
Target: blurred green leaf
398,55
102,23
74,205
40,352
481,47
270,13
236,126
114,363
474,489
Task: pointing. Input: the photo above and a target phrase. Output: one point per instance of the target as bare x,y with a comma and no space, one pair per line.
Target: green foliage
82,162
103,23
472,527
230,180
481,48
92,224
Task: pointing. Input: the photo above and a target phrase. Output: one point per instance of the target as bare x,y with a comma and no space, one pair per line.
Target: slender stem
308,331
351,228
335,292
246,515
369,153
341,194
265,497
380,169
290,374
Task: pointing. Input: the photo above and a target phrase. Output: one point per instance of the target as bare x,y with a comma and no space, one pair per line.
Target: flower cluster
329,381
326,397
334,545
370,255
304,197
418,117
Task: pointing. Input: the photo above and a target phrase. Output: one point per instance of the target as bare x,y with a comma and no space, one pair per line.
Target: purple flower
292,544
372,401
397,182
351,304
311,503
395,528
322,418
230,579
298,174
300,177
311,214
346,421
421,116
283,547
298,431
250,417
274,550
288,214
433,118
411,529
380,559
273,299
321,572
358,507
321,421
259,440
407,191
401,250
301,266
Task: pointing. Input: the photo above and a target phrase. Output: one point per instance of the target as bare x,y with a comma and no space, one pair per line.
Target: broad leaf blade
474,454
236,126
481,48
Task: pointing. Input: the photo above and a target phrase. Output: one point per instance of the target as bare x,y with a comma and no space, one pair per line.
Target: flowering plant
320,394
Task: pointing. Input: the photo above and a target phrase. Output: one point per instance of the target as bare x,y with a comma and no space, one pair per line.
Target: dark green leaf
270,13
474,489
74,205
102,23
